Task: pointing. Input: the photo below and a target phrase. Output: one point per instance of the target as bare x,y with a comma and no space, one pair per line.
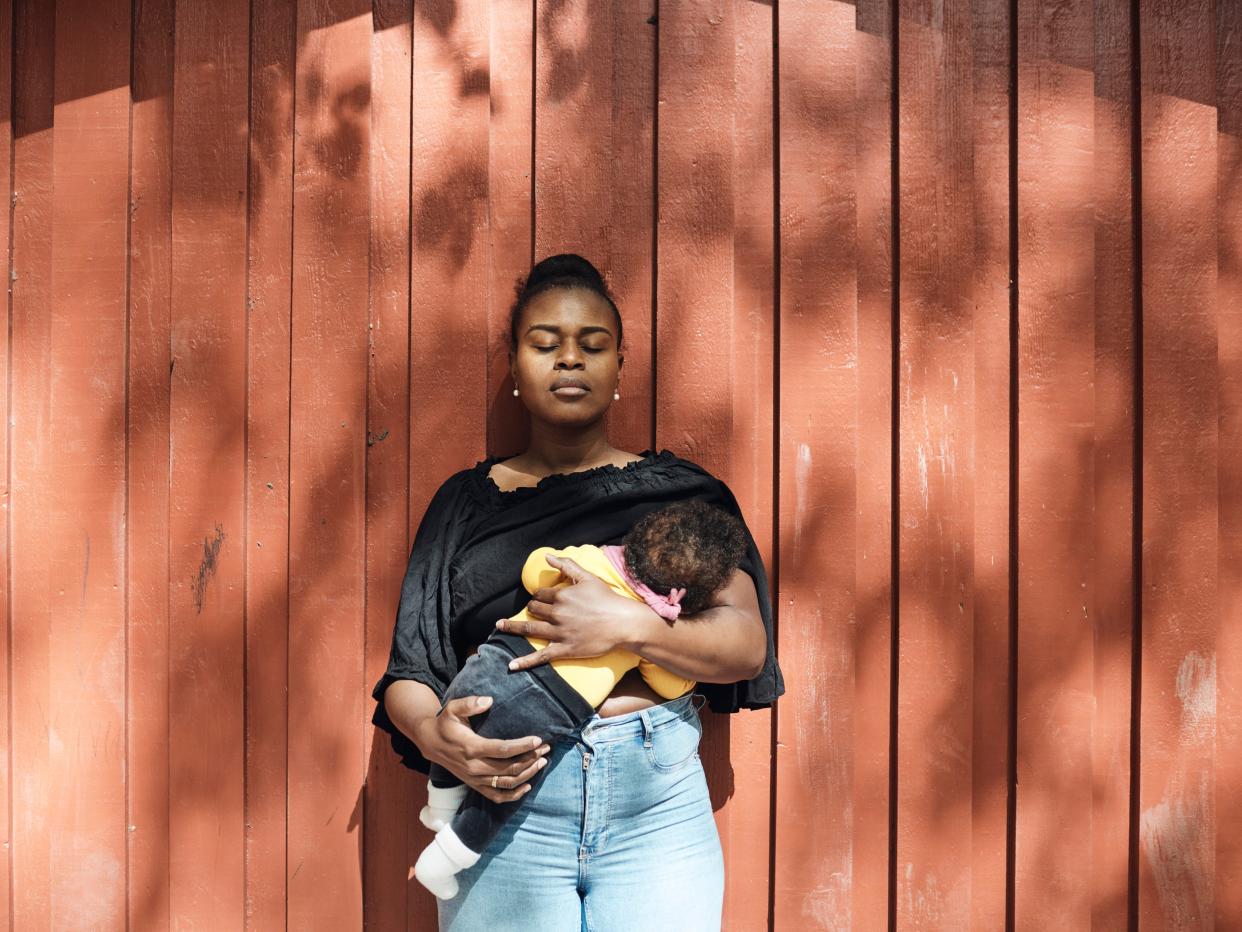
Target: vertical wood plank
937,415
1115,334
268,313
207,468
327,468
389,788
819,451
594,120
695,323
30,283
873,558
1177,821
510,206
85,468
694,233
150,284
748,827
1056,231
6,242
992,71
449,251
1229,308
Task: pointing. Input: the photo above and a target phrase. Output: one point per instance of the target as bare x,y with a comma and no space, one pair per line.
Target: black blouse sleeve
421,648
764,689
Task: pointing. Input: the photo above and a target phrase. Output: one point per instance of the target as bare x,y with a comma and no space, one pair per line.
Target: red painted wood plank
935,752
991,72
449,188
207,468
1181,589
1228,894
85,469
694,283
30,279
510,206
874,527
6,241
328,394
1056,302
389,791
268,314
704,126
747,826
150,336
594,125
819,452
1114,466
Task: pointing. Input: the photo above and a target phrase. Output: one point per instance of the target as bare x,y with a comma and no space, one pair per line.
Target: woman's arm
724,643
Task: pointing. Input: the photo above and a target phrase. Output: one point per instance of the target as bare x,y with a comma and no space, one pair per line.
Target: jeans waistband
640,722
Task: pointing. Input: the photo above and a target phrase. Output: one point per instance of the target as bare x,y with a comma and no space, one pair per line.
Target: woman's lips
569,391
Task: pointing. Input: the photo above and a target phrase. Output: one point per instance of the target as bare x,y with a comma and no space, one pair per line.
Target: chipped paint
828,905
207,567
802,479
1196,688
1178,844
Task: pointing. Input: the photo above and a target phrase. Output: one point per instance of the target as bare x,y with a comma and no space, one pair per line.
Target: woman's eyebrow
553,328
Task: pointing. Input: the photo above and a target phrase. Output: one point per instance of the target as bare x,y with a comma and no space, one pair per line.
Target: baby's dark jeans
537,701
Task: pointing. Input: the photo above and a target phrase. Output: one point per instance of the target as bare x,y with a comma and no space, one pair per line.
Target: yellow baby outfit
594,677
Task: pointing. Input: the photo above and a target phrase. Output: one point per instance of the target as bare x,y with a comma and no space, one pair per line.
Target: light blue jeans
616,835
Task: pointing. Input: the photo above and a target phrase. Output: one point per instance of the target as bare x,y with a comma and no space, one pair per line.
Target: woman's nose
569,356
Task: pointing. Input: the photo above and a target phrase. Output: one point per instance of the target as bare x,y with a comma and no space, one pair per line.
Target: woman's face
566,366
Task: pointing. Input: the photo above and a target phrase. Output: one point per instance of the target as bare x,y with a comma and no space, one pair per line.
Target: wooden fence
949,291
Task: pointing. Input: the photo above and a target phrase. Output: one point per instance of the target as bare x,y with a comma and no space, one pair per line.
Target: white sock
437,867
442,804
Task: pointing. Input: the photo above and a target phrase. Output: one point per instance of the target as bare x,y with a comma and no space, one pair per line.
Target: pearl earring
515,391
616,396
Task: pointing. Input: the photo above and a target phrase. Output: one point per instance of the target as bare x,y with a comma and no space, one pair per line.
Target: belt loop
646,719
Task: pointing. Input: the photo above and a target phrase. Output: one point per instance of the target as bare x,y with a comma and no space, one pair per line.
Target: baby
674,559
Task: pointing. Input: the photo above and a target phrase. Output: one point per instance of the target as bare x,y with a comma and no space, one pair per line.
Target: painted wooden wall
949,291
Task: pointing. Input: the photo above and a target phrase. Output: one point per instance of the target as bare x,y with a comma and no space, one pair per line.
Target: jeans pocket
674,744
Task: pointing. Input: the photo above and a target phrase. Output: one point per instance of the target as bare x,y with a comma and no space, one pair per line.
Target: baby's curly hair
690,545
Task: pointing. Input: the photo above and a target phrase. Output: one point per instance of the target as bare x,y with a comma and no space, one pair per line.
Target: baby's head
688,545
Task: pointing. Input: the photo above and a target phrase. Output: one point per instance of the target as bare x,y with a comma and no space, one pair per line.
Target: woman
617,832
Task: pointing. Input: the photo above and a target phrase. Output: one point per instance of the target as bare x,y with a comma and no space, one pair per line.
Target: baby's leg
444,791
520,706
444,794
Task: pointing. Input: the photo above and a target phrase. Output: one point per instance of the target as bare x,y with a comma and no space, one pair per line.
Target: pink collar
668,607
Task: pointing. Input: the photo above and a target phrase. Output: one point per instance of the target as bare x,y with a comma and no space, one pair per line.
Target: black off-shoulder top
465,566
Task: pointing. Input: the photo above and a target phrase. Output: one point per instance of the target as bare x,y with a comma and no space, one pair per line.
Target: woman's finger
567,566
479,747
503,796
540,608
465,706
518,768
528,628
533,659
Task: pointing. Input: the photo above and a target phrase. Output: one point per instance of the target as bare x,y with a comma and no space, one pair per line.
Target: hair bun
565,265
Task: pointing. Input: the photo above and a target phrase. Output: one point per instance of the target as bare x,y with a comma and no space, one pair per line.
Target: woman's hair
566,270
688,544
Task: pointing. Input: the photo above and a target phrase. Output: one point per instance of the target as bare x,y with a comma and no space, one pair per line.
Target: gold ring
495,780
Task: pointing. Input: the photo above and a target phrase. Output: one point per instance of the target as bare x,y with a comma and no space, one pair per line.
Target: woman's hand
585,619
448,740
